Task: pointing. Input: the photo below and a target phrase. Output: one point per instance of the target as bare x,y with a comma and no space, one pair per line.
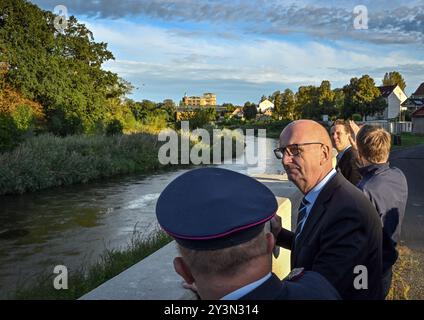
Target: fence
393,127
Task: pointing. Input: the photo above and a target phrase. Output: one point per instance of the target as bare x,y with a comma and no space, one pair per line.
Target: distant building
265,105
418,121
238,113
394,97
208,99
416,100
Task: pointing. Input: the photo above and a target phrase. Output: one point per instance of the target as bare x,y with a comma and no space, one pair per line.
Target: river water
73,225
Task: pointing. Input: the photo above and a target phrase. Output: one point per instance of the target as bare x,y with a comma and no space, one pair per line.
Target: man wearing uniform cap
220,221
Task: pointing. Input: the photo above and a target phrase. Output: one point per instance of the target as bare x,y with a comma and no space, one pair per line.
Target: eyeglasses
291,149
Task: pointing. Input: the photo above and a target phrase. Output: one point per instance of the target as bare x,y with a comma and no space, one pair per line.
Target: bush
10,135
114,127
198,118
356,117
48,161
23,117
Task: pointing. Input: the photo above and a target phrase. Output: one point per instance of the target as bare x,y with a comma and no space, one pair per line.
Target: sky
243,49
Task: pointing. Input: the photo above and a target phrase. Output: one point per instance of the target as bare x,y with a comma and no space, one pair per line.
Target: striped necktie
301,216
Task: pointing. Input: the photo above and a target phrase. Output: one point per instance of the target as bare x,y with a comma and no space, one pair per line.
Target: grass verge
85,279
409,140
407,274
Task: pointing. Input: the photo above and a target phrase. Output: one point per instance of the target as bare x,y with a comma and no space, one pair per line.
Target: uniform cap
214,208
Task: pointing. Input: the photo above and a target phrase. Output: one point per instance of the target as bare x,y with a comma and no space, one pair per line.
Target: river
73,225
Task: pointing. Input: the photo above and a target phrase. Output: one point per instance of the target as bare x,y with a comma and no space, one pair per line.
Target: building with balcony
208,99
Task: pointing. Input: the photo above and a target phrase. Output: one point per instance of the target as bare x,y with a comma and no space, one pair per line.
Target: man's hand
276,225
354,129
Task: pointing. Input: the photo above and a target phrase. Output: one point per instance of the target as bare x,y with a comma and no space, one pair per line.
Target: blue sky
243,49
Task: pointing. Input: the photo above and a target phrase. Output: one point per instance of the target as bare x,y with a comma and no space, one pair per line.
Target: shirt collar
237,294
313,194
341,153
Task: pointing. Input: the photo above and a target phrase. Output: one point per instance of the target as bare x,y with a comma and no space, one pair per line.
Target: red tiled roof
418,113
420,90
387,90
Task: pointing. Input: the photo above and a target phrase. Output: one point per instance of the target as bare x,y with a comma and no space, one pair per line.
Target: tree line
360,97
53,81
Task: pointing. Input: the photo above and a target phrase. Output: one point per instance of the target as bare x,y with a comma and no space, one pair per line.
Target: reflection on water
73,225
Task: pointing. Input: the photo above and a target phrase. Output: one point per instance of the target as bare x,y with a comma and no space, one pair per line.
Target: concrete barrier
154,277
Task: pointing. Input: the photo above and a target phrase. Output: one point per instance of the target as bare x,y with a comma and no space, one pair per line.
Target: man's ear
270,242
183,270
325,155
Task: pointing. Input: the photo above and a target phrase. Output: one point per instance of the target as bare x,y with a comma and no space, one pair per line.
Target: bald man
338,231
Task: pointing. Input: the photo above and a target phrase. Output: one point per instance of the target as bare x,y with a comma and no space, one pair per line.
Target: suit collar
271,289
317,211
313,194
341,154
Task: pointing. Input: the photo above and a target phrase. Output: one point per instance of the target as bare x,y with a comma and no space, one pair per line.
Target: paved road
411,162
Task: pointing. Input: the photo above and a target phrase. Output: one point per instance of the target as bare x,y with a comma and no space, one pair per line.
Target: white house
265,105
238,113
394,97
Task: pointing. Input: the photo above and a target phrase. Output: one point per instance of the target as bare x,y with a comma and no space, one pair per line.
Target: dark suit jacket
348,166
311,286
343,230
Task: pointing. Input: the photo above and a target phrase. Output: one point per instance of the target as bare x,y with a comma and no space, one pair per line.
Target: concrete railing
154,277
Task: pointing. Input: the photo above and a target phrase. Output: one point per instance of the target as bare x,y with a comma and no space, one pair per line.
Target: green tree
10,135
143,109
306,100
288,105
168,108
277,99
362,97
114,127
61,71
339,99
229,106
392,78
325,101
249,110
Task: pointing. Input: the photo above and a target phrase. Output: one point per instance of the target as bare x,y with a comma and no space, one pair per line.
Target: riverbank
47,161
86,278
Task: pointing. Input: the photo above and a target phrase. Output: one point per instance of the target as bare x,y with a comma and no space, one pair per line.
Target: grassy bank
407,282
49,161
409,140
85,279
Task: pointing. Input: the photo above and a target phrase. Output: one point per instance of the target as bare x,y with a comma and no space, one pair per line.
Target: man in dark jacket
387,189
347,157
225,240
338,230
